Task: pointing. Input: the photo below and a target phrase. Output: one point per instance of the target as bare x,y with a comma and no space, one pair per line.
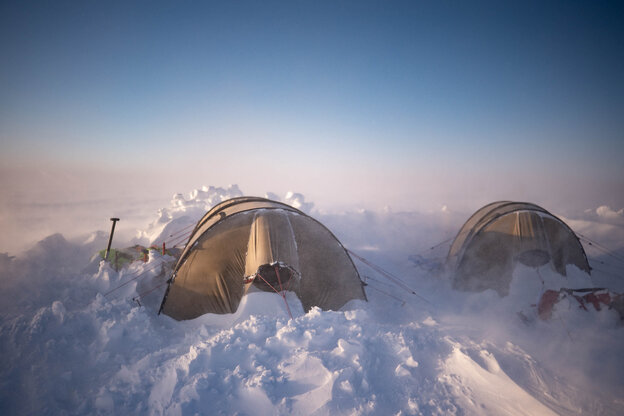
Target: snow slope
69,345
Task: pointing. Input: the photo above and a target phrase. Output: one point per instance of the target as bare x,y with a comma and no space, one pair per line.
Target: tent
250,243
503,234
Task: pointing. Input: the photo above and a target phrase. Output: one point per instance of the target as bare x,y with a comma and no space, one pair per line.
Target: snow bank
74,340
606,212
183,213
293,199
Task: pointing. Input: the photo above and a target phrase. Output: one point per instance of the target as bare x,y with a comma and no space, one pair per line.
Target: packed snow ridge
79,337
185,212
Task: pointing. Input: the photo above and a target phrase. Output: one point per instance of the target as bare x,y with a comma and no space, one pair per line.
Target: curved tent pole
218,210
484,214
464,229
387,275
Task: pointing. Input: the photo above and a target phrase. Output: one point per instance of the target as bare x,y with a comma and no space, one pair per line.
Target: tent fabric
504,233
271,238
244,238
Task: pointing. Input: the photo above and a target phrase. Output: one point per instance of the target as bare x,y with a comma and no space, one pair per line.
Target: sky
412,105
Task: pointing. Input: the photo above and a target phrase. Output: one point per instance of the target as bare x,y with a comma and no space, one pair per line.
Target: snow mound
472,380
173,224
606,212
293,199
183,212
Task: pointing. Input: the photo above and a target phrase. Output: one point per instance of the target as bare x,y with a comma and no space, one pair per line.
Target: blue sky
408,104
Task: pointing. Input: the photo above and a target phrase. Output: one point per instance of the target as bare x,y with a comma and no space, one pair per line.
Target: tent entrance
276,277
533,243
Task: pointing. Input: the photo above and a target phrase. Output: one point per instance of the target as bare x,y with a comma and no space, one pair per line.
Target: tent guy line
281,292
600,247
147,292
141,274
387,275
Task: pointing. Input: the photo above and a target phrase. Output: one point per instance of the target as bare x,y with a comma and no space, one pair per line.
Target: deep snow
69,346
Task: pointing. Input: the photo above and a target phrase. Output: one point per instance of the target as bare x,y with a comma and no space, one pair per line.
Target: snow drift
70,345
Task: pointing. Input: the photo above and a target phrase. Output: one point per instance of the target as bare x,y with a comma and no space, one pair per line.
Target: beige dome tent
503,233
250,243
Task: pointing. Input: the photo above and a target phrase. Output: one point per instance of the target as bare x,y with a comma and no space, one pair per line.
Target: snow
608,213
184,212
68,345
484,387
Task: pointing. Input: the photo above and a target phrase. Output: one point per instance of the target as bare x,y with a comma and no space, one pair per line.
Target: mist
77,200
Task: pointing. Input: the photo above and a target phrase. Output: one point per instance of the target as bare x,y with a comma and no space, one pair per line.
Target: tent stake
110,239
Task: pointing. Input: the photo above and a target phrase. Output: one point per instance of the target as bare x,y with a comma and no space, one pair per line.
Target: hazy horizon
354,104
